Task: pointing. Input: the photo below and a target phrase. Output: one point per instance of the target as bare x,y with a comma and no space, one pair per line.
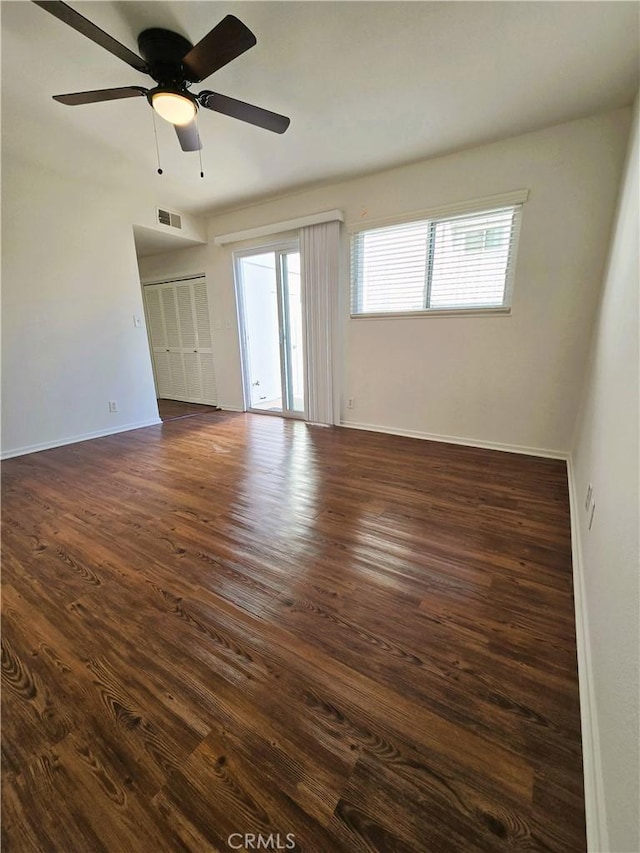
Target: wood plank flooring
171,409
238,632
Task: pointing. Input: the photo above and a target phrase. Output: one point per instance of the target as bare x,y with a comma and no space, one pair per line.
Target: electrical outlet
350,402
587,500
113,406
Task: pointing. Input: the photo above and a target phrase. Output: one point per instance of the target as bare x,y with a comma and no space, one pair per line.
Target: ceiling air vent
172,219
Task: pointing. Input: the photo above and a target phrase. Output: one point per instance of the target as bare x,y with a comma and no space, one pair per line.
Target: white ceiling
367,85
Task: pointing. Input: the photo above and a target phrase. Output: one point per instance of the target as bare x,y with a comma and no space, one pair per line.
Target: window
461,262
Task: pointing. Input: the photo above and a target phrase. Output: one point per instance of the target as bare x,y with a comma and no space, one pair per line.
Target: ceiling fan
174,64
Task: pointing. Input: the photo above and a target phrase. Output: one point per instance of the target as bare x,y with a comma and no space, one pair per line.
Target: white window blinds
461,262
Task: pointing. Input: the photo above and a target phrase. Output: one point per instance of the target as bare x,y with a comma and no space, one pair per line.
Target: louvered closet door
178,318
203,332
157,334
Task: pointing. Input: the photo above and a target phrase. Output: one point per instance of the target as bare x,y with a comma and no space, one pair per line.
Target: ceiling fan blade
77,98
245,112
74,19
225,42
188,136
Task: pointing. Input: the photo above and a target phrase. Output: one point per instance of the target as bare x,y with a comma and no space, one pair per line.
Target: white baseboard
48,445
456,439
595,809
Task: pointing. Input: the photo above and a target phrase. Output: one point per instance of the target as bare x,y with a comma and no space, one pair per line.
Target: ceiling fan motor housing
163,52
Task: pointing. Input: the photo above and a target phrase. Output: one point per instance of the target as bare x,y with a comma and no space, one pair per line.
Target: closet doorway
270,308
179,328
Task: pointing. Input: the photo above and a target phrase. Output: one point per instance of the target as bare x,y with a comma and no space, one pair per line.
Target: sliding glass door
272,329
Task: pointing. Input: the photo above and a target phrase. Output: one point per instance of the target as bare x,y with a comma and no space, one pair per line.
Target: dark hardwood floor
236,625
169,410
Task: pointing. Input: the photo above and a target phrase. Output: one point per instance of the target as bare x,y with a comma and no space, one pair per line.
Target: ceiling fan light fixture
174,107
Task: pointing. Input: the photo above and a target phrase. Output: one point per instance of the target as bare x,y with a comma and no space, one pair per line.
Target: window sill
433,312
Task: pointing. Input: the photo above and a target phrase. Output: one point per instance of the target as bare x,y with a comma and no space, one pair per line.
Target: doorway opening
270,305
180,340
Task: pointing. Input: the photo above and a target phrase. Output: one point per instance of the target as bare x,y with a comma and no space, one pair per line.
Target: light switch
137,322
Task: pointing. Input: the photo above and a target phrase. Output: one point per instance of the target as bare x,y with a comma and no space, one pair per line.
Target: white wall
70,288
511,380
605,454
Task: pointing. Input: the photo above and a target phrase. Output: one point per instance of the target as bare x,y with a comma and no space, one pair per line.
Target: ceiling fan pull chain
155,133
200,153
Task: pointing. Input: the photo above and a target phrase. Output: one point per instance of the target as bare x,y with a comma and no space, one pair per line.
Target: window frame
515,199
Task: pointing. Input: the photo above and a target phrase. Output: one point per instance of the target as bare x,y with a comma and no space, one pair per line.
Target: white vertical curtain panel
319,249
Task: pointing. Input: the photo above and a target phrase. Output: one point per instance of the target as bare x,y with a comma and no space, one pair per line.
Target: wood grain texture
169,410
241,624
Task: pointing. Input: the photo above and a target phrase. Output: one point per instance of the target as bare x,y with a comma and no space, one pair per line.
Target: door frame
179,279
280,248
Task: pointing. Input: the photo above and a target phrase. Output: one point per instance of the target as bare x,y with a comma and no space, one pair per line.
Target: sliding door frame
281,249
